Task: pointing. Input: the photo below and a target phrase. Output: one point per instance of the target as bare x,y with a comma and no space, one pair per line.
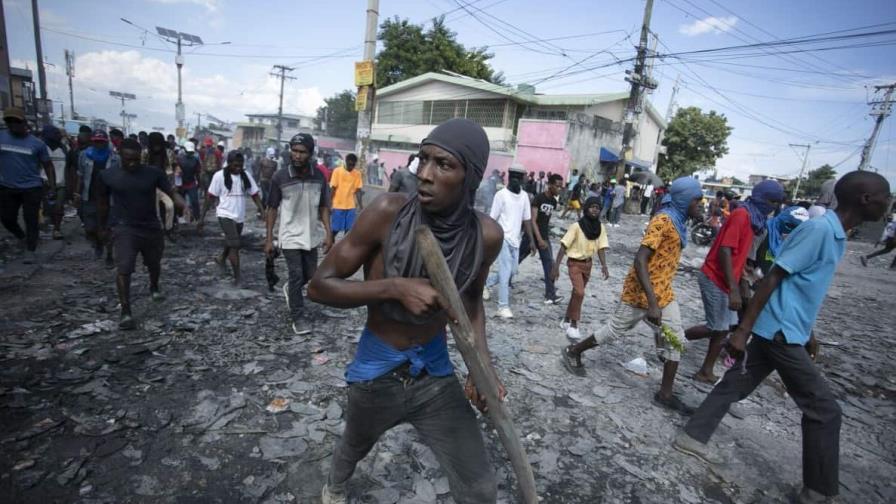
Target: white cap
190,147
270,153
221,143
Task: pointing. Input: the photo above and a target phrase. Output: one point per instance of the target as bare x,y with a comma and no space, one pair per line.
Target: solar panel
115,94
193,39
165,32
130,96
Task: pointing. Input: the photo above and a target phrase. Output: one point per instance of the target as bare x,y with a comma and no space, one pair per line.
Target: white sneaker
504,313
328,496
564,324
486,295
573,334
300,332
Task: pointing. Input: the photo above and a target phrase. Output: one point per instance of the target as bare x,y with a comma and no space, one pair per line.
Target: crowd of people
762,282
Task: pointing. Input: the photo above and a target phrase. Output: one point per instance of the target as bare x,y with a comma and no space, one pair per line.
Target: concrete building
555,133
261,129
22,87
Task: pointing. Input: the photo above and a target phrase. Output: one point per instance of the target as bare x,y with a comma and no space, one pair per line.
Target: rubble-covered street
213,399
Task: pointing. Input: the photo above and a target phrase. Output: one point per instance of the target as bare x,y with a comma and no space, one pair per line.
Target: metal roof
577,100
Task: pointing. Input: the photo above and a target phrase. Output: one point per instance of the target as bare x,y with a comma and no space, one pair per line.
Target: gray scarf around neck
458,232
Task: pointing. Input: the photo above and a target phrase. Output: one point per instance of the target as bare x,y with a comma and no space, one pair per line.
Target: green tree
338,115
409,50
810,187
694,140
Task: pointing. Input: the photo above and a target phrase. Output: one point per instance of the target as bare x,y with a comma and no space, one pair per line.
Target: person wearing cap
128,190
55,202
21,186
92,161
617,203
346,184
512,210
188,168
212,160
300,199
228,190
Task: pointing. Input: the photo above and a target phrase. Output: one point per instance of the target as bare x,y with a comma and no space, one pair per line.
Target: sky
770,99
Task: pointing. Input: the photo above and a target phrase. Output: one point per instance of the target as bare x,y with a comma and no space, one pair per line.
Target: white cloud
210,5
155,83
708,25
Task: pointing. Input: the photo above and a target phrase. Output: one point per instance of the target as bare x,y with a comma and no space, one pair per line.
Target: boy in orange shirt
346,185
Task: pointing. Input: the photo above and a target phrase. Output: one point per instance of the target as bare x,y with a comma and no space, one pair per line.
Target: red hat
209,141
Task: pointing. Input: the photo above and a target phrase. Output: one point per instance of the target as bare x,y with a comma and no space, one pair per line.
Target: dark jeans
301,265
438,409
821,413
192,197
29,201
547,264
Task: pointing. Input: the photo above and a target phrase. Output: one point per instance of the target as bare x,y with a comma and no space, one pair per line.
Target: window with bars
486,113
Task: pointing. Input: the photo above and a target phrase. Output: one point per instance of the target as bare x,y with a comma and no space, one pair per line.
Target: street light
181,39
124,115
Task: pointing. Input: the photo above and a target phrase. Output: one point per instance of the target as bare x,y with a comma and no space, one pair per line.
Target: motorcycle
702,233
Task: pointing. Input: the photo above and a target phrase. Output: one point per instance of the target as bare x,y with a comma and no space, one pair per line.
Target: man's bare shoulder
492,234
386,204
381,212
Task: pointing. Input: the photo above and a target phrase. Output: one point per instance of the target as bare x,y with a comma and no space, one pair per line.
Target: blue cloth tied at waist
375,358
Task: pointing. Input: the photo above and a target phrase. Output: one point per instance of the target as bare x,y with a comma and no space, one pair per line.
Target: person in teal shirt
780,318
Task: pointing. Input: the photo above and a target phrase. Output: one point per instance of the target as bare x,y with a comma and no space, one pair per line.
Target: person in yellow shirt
582,240
346,185
647,292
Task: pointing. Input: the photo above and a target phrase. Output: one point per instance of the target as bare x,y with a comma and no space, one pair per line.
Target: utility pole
799,179
43,111
282,76
70,72
198,120
640,82
662,133
879,109
365,113
5,84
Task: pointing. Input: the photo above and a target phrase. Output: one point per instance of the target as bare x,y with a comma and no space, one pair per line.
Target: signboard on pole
364,73
361,98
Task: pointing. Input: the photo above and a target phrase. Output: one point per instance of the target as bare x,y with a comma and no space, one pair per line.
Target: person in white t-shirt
55,208
512,210
229,188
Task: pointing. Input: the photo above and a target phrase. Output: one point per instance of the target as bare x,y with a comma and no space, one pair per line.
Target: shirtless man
402,372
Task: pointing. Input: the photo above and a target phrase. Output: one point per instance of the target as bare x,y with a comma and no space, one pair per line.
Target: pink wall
541,146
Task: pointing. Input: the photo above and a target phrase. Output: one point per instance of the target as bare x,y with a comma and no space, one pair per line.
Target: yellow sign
364,73
180,132
361,99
